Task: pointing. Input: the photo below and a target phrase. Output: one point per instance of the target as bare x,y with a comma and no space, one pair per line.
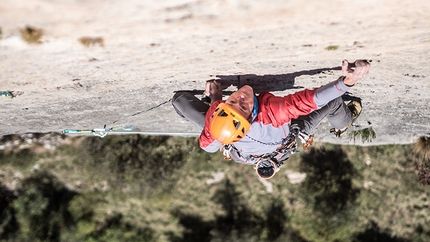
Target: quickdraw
10,94
306,139
97,132
226,151
7,94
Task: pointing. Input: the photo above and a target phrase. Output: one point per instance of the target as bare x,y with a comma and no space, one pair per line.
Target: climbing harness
267,165
287,146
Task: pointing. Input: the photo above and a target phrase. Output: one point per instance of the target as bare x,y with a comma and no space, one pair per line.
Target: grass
31,34
332,47
91,41
365,135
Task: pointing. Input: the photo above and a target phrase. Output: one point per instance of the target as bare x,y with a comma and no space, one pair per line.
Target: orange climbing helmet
227,125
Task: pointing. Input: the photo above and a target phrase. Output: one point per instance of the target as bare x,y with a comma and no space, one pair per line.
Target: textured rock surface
148,49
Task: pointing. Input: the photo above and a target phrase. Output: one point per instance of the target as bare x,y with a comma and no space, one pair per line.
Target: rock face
87,64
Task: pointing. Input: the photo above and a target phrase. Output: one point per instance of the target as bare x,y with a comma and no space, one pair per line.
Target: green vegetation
366,135
422,152
422,149
31,35
147,188
332,47
91,41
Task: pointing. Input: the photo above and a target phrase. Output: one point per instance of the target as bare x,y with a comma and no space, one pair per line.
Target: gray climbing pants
336,111
190,108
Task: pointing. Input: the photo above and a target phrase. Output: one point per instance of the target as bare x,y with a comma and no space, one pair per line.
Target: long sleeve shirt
273,120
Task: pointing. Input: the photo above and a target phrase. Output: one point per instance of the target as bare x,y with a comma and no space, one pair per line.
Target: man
263,129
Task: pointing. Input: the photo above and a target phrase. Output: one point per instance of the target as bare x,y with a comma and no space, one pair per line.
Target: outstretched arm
353,72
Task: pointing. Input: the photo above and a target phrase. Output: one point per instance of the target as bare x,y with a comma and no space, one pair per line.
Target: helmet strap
255,109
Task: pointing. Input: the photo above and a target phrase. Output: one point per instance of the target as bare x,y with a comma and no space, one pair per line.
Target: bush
150,160
328,184
422,149
42,207
422,152
8,224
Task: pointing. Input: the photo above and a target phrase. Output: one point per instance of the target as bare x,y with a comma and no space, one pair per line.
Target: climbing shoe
355,108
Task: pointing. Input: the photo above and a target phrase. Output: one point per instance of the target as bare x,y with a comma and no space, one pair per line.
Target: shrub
42,207
8,224
422,149
31,35
328,184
